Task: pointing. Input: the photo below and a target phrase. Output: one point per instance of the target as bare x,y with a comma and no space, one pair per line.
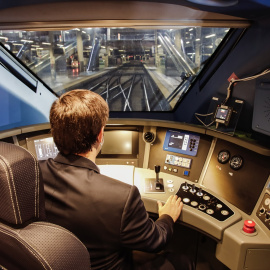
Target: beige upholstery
26,240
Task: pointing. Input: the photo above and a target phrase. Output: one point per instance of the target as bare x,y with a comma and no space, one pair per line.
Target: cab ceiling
50,15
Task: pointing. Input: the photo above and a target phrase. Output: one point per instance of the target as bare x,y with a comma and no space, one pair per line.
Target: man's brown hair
77,118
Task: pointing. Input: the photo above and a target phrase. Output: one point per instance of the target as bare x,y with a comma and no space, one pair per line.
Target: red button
249,226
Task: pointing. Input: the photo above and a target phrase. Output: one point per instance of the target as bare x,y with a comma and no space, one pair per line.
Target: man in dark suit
107,215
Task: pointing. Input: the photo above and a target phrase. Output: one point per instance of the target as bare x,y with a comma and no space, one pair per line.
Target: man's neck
92,153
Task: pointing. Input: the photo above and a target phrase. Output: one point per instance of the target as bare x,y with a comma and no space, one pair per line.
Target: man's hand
172,207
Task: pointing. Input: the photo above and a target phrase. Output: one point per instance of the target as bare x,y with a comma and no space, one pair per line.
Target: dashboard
222,180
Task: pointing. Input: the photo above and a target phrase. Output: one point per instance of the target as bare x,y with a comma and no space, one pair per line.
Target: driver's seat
26,240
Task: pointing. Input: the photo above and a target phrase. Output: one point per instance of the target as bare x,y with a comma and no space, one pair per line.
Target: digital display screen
222,113
45,148
181,143
120,144
117,142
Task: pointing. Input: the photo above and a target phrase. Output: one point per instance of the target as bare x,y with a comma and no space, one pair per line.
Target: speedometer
236,162
223,156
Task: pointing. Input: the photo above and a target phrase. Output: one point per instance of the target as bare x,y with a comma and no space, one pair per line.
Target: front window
132,69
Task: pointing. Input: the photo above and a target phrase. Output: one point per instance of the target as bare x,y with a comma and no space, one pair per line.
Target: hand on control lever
172,207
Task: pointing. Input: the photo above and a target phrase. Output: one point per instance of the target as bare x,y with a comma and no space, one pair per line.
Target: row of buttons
170,185
185,173
178,161
170,169
203,207
202,200
192,144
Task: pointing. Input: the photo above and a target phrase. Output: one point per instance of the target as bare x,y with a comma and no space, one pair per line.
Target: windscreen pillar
198,48
156,49
52,57
80,50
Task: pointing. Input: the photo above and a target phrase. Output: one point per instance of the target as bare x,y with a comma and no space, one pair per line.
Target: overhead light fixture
212,35
27,40
215,3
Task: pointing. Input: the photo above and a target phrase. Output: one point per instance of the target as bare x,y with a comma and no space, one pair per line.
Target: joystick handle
157,170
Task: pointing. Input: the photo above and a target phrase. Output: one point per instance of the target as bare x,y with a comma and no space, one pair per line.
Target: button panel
204,202
178,161
263,212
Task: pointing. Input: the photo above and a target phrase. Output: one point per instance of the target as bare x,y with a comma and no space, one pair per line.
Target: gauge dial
223,156
236,162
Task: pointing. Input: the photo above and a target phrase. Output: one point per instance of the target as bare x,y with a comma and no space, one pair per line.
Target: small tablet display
181,142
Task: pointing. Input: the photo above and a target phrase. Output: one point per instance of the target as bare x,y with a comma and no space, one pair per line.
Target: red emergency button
249,226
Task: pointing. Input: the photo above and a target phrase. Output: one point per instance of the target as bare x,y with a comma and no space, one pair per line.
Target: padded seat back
26,240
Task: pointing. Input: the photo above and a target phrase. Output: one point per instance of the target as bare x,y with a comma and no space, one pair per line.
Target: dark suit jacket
108,216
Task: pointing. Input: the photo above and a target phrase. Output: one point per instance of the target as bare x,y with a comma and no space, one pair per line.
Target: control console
204,201
263,212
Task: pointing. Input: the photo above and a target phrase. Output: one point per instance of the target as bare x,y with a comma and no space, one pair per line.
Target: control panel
180,153
181,142
178,161
204,201
263,212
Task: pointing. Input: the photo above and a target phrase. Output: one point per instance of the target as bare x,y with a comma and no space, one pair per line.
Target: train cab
188,88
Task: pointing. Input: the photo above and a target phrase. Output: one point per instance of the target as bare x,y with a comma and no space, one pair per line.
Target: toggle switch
193,189
199,193
185,187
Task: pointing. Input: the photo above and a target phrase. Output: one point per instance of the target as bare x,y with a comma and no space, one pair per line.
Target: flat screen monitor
120,144
117,144
43,147
181,142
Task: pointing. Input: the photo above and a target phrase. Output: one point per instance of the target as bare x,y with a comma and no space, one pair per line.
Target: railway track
129,88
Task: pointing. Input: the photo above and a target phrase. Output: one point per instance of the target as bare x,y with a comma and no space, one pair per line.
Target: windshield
132,69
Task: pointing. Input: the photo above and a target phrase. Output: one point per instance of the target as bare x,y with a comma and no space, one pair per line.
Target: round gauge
236,162
223,156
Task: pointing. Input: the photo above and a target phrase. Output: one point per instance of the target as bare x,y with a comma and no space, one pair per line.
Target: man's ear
100,135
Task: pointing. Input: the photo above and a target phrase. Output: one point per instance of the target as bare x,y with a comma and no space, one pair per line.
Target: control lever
193,189
199,193
158,184
185,187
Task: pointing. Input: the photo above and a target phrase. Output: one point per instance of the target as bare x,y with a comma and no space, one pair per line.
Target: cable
232,81
229,90
204,115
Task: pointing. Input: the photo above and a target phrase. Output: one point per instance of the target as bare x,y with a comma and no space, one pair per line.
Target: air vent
149,137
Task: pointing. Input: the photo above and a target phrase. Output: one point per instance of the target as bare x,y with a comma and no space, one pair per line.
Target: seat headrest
21,186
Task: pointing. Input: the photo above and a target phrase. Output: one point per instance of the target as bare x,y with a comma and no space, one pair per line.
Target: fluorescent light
212,35
26,40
